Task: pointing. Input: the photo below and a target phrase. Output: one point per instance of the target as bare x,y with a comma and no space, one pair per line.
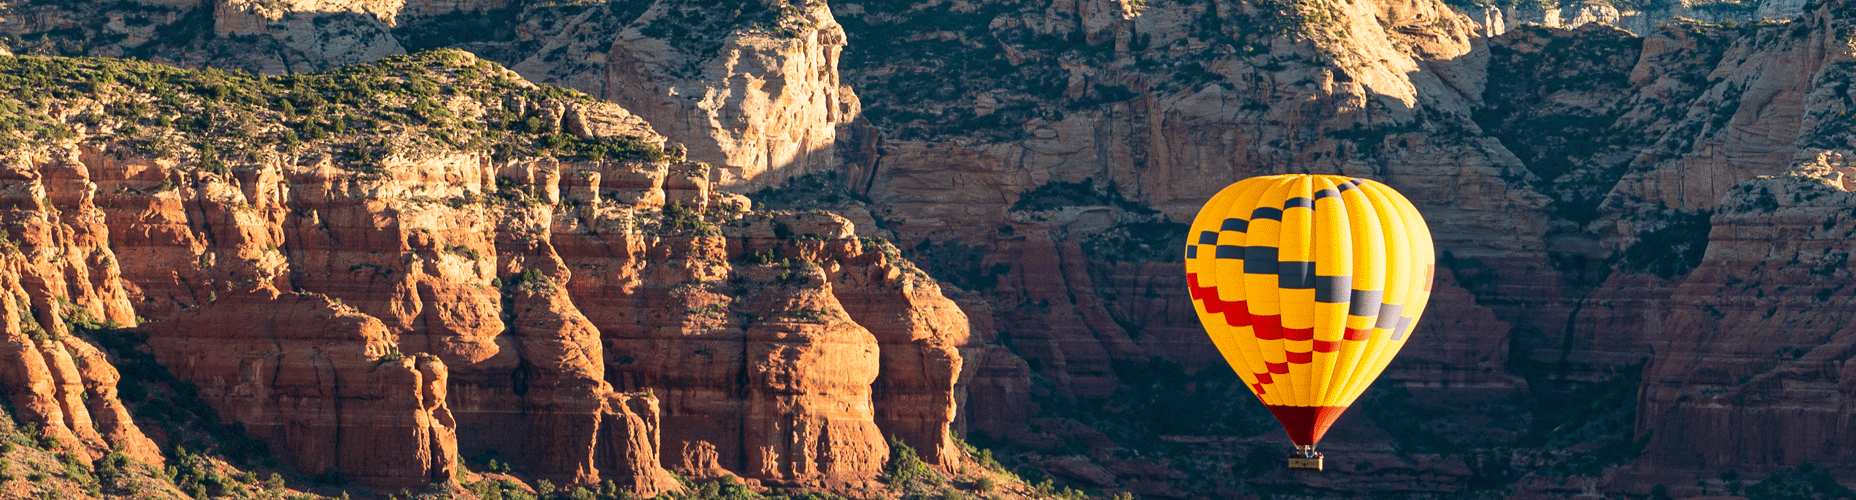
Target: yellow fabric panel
1325,378
1228,271
1264,232
1331,321
1416,279
1231,281
1346,363
1334,242
1298,307
1223,336
1302,377
1397,261
1265,298
1227,339
1370,374
1369,241
1231,271
1292,245
1369,244
1296,243
1367,362
1333,256
1398,248
1367,238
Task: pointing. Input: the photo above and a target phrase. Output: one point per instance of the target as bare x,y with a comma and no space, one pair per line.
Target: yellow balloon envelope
1309,285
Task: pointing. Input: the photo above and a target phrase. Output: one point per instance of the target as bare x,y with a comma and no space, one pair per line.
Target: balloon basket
1298,461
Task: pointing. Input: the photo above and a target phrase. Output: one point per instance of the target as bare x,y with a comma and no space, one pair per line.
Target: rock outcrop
60,277
321,381
567,298
1641,19
761,104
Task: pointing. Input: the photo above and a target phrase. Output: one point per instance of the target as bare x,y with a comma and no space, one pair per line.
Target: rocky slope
1641,18
383,269
750,87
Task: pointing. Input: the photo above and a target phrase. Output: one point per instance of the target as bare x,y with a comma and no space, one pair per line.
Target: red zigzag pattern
1267,327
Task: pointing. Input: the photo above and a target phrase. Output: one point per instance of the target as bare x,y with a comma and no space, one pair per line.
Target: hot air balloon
1309,285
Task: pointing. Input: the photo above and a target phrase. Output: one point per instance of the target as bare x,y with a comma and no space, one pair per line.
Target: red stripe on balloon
1325,346
1300,358
1298,334
1258,388
1235,312
1265,378
1267,327
1278,368
1357,334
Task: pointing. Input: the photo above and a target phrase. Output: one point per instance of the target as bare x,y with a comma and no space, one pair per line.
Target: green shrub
983,485
906,469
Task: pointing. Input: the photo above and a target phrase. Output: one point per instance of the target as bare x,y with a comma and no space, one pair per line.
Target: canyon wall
382,316
61,278
1752,345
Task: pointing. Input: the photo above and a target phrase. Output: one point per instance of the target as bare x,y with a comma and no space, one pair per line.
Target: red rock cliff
583,319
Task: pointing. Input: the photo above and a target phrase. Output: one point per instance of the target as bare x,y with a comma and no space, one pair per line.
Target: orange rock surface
583,321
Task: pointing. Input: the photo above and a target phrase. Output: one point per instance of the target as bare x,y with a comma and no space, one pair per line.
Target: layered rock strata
60,275
379,317
1750,346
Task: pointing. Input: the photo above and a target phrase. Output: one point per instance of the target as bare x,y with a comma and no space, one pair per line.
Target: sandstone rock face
761,105
1773,277
60,273
299,369
380,317
310,35
484,360
775,307
317,380
1495,21
1751,344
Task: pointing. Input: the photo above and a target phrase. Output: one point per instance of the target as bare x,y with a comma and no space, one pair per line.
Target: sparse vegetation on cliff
700,28
359,116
